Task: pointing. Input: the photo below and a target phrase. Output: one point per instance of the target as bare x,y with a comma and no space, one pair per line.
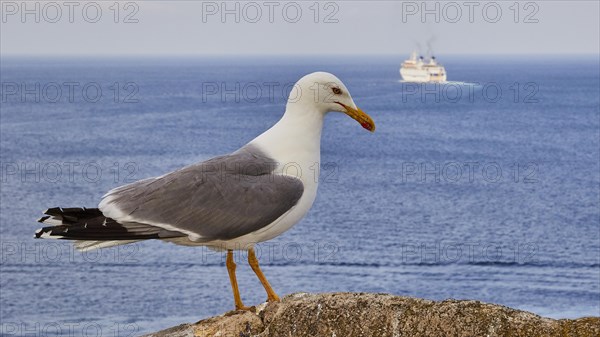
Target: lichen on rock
366,315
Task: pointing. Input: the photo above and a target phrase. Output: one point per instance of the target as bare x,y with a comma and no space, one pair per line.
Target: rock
363,314
183,330
240,323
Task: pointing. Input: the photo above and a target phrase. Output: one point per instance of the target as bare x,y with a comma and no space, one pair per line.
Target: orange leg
253,261
236,291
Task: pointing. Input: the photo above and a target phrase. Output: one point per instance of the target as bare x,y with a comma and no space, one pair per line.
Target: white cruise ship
417,70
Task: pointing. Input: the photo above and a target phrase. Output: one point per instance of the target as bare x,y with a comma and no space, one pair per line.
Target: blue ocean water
484,188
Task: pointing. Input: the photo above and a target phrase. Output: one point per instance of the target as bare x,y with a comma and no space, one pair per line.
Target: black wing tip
58,211
38,234
53,211
44,218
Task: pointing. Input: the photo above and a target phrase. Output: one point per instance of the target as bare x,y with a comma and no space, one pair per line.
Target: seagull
227,203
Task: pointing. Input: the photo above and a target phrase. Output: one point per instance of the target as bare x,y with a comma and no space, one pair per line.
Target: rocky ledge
364,314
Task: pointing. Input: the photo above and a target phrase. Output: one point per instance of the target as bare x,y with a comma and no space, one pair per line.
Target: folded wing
219,199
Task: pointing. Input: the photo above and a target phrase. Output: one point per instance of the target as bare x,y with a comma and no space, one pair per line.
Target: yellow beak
360,116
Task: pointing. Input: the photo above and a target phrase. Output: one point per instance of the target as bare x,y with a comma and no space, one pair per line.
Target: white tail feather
87,245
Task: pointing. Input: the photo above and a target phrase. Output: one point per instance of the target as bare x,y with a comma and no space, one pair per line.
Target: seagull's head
325,93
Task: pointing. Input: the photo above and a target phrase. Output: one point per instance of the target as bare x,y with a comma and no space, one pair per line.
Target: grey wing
219,199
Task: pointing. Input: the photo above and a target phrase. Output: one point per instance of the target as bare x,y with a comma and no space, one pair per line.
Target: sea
484,188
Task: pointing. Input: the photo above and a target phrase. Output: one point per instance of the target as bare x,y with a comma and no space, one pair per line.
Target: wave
473,84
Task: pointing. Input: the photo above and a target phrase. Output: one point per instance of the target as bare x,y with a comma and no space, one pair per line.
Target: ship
418,70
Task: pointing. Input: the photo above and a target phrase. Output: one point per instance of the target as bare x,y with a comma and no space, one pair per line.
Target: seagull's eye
336,91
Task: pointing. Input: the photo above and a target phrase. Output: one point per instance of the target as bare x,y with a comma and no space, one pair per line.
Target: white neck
295,138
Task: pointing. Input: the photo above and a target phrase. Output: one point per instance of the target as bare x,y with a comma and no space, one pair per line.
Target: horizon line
295,55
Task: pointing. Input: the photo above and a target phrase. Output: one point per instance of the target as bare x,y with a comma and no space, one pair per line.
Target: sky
162,28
